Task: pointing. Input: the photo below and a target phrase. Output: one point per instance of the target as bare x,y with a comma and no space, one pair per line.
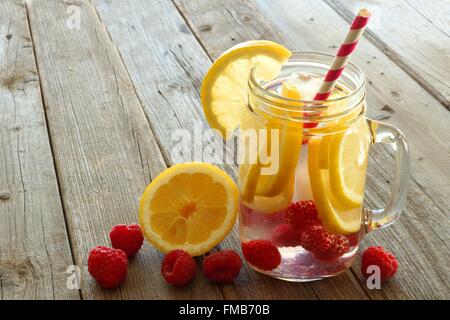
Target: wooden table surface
86,116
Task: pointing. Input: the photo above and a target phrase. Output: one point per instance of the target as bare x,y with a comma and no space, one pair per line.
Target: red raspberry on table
127,238
301,214
324,245
378,256
178,268
262,254
222,266
284,236
108,266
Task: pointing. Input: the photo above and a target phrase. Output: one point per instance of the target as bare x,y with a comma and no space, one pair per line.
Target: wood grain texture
166,65
421,233
34,246
415,34
105,151
117,89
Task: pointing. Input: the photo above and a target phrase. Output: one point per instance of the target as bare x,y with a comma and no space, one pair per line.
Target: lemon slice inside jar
287,147
271,186
337,169
348,154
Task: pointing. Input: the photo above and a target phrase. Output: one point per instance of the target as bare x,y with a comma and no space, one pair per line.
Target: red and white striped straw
343,55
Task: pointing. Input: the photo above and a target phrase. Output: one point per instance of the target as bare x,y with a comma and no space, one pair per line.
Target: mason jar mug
303,168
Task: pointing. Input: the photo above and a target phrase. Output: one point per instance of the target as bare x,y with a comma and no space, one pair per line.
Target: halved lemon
189,206
337,168
225,87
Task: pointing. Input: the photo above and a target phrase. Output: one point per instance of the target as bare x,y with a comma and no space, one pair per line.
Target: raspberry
324,245
262,254
301,214
353,239
334,247
385,260
178,268
284,236
222,266
308,237
108,266
128,238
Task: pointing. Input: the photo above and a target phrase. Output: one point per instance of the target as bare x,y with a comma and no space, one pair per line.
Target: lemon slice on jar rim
224,89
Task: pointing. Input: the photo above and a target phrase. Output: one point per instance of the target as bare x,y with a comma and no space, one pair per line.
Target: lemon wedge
189,206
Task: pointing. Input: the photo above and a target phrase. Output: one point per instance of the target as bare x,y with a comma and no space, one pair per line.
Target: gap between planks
58,183
157,139
36,251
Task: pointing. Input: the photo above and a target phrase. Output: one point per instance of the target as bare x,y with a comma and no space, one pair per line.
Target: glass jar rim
255,85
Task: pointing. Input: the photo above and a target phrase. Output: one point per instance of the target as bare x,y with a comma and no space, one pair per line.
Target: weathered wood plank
414,34
167,64
391,92
104,148
34,245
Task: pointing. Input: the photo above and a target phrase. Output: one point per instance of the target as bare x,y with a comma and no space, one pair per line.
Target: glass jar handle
394,138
